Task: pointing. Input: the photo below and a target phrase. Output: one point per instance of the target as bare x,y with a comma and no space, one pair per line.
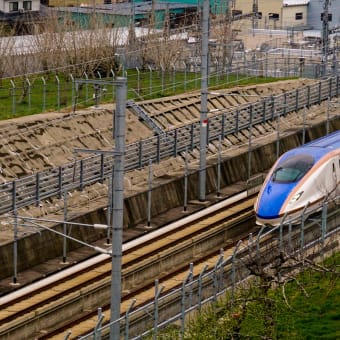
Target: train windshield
293,169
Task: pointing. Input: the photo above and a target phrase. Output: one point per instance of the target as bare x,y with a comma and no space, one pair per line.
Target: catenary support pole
118,200
204,100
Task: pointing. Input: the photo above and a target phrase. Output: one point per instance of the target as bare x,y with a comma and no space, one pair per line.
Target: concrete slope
35,143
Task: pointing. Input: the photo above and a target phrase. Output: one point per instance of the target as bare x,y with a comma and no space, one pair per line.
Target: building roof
295,2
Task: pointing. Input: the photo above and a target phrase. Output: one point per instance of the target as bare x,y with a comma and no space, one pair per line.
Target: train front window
292,169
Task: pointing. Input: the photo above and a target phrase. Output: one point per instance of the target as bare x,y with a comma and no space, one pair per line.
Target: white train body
300,181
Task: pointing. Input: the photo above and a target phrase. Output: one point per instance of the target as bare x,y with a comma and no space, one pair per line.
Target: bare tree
6,49
224,33
268,275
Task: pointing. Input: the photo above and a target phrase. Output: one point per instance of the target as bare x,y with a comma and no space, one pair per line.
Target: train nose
268,210
270,203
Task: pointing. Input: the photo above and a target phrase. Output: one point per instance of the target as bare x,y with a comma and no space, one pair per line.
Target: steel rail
141,263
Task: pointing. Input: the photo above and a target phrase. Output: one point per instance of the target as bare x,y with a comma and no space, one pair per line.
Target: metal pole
68,334
250,242
200,286
97,328
162,72
158,292
186,181
174,78
218,191
304,126
13,96
118,201
335,64
149,192
29,93
150,81
218,280
278,136
302,233
127,319
250,140
58,92
323,225
86,87
204,100
185,76
290,236
15,247
65,227
183,308
72,79
327,114
44,93
325,37
258,238
109,207
233,272
190,283
138,80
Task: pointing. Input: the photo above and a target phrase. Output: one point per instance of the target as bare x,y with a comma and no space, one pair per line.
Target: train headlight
296,197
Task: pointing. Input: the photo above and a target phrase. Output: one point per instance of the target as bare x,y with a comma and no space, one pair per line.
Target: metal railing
30,190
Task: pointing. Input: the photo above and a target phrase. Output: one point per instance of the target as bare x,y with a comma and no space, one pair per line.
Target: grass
55,93
316,313
312,312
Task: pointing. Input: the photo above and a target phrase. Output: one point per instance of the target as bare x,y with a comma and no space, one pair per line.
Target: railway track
75,294
179,293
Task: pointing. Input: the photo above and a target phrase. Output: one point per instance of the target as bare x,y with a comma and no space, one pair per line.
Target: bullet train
300,181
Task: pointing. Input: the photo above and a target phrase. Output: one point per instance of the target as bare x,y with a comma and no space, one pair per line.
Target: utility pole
204,99
152,18
325,36
255,14
117,195
132,26
227,37
118,206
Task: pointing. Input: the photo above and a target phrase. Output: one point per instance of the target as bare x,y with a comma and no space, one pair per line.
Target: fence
27,95
32,189
317,236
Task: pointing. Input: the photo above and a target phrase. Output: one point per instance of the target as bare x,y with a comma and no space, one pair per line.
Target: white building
19,6
315,8
290,13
